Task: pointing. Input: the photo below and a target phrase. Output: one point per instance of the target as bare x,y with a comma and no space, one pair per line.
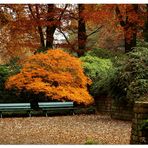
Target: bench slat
55,104
15,108
14,104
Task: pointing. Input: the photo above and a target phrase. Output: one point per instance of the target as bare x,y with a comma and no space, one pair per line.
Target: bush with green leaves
131,79
14,66
144,125
4,73
100,53
117,57
101,71
7,70
142,44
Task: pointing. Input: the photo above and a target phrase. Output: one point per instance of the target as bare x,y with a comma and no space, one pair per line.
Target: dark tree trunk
145,31
36,17
49,37
130,28
41,36
81,31
130,43
52,27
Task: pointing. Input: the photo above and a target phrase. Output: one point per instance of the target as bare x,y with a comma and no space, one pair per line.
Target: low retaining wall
117,111
140,114
121,112
103,104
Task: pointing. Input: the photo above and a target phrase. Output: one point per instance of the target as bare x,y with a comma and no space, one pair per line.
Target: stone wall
121,111
140,114
103,104
117,111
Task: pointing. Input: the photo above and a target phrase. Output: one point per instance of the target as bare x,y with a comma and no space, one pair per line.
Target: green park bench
13,107
44,106
56,106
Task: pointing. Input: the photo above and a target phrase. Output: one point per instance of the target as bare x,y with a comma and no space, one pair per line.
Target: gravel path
77,129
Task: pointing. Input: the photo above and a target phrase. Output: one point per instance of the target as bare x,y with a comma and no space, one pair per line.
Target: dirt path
77,129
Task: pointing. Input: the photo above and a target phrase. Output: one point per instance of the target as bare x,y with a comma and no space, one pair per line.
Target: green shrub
90,141
131,79
136,89
14,66
41,49
5,71
144,125
142,44
144,131
117,58
100,53
101,71
144,98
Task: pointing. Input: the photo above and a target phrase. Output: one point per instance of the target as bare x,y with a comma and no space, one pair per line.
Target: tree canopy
55,74
80,26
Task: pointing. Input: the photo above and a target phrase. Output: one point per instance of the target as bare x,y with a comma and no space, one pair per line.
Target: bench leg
1,115
72,112
46,114
29,114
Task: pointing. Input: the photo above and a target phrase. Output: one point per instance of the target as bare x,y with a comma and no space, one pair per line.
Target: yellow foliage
56,74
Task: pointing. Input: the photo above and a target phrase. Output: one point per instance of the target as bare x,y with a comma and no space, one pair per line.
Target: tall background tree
129,24
29,28
146,25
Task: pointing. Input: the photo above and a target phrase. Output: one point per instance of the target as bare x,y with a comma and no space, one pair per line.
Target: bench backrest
55,104
5,106
15,106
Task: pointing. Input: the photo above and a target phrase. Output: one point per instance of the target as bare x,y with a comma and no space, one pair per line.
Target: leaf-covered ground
77,129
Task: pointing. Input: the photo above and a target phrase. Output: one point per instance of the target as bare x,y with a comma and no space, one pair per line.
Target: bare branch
29,6
95,31
71,46
62,13
65,36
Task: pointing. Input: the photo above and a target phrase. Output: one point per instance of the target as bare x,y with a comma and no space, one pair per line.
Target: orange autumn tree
56,74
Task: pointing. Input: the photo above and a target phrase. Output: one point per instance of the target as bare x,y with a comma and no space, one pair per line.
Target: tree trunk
145,31
81,31
49,37
51,28
41,36
130,28
130,43
35,16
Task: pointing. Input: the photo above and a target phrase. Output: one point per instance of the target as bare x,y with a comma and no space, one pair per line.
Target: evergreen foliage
101,71
6,71
131,81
